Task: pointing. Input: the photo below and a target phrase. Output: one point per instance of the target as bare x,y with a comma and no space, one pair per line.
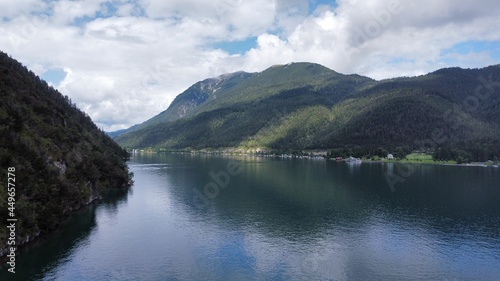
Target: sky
124,61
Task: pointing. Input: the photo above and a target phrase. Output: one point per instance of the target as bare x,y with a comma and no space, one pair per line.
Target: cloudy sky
124,61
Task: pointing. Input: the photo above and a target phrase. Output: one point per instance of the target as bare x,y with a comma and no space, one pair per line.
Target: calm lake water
192,217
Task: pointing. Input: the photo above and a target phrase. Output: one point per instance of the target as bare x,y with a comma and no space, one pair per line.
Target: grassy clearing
418,158
424,158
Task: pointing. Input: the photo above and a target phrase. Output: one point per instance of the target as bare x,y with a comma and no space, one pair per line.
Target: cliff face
59,157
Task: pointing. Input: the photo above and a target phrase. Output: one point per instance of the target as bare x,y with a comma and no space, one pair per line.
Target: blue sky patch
313,4
54,76
237,47
492,47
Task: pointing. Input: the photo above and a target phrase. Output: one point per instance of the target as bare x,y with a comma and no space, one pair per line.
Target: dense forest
60,159
299,106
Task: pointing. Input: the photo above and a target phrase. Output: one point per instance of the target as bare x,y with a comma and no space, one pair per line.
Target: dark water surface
192,217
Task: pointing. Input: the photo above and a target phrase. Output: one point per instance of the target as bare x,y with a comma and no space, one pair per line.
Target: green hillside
307,106
185,104
61,159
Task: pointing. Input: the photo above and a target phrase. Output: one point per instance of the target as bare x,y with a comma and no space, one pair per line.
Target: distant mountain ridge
308,106
185,103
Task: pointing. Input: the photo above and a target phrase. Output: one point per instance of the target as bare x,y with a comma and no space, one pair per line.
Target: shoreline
33,238
431,163
316,154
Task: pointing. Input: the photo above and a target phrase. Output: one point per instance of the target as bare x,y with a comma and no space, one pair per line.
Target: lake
201,217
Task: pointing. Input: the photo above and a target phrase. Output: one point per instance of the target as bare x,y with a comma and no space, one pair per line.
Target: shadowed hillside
61,159
307,106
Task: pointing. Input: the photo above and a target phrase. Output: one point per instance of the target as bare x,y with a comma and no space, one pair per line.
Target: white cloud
368,38
11,9
290,13
127,66
66,11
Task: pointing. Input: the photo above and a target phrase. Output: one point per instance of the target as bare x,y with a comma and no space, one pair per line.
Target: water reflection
310,196
289,219
297,202
38,260
113,199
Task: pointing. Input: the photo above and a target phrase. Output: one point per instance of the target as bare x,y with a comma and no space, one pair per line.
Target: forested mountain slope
57,155
308,106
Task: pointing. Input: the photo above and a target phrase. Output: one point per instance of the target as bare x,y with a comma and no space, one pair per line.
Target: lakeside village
414,157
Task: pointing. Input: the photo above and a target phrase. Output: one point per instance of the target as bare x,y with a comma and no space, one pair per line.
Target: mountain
308,106
116,133
53,154
238,87
185,103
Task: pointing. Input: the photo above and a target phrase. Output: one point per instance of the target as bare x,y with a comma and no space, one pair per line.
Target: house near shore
390,157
